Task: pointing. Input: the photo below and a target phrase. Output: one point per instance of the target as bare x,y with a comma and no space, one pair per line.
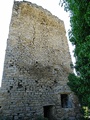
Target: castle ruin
36,68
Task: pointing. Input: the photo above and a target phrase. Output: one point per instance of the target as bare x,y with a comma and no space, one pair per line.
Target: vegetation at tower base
79,35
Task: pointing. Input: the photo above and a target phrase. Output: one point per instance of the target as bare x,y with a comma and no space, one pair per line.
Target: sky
5,17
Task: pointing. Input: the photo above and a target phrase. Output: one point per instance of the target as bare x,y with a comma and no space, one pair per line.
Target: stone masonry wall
37,65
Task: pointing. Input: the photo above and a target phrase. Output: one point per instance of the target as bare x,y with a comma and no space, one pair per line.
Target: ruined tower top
44,32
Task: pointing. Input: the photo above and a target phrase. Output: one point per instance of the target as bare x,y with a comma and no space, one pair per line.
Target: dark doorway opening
48,112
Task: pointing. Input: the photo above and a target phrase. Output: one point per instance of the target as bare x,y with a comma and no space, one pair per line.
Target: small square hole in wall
65,101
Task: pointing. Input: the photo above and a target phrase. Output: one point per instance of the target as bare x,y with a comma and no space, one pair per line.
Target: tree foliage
79,35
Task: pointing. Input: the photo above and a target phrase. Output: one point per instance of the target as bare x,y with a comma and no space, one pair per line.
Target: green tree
79,35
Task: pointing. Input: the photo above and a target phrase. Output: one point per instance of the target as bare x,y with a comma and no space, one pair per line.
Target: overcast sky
5,17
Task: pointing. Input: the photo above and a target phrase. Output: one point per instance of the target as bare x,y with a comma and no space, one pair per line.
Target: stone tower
36,68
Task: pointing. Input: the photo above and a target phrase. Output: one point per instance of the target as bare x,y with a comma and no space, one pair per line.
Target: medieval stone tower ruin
36,68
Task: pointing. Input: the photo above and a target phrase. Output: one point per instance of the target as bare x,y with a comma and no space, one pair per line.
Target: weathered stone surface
37,65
